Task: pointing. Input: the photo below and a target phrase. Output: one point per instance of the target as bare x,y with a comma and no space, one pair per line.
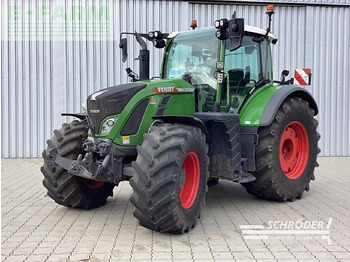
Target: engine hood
110,101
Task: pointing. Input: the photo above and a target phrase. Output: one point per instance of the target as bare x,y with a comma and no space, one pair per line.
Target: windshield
194,53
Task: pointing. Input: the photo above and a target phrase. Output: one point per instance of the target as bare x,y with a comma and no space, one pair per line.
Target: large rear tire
64,188
170,178
286,153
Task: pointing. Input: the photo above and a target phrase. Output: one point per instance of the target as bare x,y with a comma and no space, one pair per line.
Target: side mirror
124,46
236,32
283,75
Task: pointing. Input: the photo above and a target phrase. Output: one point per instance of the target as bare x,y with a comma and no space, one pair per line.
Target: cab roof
247,28
259,31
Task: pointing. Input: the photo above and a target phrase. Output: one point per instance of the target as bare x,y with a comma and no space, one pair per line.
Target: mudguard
77,115
277,99
261,110
186,120
262,106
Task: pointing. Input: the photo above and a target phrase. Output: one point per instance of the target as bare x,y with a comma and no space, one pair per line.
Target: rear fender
261,108
281,95
266,105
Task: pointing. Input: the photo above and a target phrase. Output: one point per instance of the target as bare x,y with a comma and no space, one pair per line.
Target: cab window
266,58
195,54
244,65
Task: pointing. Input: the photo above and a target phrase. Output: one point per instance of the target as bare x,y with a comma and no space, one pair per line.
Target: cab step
246,178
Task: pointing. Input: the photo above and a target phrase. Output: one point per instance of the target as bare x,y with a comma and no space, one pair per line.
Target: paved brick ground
34,228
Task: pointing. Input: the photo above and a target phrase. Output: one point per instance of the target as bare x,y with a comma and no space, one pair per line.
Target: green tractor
214,113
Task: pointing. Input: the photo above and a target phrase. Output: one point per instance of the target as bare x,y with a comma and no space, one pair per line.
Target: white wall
44,76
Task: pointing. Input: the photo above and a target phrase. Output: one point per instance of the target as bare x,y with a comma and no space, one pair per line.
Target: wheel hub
294,150
188,192
93,184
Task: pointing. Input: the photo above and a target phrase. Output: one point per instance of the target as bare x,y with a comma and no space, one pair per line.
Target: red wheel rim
294,150
188,192
94,184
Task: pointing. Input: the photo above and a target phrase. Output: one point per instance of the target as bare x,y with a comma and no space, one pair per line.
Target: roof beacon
269,12
194,24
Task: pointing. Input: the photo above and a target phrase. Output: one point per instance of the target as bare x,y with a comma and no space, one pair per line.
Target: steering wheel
193,77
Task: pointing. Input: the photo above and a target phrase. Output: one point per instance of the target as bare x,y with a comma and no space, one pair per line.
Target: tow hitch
85,167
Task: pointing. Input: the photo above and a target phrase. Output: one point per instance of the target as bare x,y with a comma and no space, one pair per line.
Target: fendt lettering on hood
172,90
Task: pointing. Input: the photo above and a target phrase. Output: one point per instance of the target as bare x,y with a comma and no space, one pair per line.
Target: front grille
110,101
95,118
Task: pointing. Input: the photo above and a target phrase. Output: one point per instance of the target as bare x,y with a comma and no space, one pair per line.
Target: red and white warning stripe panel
302,76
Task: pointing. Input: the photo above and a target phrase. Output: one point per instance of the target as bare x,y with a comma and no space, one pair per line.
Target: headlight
224,23
158,35
221,24
108,125
221,34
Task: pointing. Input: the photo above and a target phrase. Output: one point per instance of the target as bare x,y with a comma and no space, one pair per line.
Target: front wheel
170,178
64,188
286,153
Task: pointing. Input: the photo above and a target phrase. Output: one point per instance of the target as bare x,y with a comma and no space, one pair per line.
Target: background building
55,53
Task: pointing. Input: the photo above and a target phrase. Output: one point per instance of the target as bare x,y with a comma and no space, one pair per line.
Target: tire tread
266,185
64,188
153,185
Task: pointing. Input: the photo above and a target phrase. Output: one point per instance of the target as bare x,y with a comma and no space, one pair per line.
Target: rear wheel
286,153
170,178
64,188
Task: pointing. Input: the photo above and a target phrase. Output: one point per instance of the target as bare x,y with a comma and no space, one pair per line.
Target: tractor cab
210,65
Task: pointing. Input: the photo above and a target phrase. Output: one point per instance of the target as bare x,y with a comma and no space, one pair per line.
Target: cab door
245,67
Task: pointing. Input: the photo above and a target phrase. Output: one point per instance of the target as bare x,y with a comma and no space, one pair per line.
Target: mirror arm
134,77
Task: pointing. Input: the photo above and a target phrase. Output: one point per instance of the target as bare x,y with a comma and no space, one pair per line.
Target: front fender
186,120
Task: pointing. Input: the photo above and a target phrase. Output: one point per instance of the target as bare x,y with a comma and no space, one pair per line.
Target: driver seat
238,81
235,77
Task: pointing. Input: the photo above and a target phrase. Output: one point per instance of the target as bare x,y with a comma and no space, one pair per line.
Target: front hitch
85,167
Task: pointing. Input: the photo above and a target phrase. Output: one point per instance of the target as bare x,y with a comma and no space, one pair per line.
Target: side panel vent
165,100
132,125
